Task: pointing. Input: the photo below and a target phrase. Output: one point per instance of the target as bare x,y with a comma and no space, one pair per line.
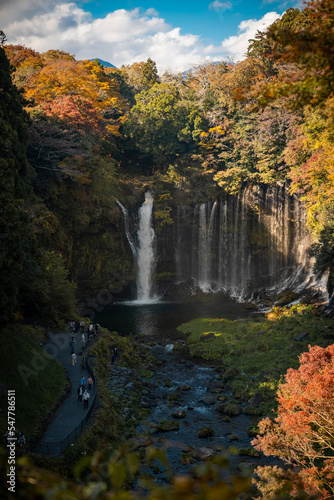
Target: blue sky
176,34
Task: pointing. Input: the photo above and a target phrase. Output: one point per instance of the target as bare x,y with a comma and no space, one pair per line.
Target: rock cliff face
241,244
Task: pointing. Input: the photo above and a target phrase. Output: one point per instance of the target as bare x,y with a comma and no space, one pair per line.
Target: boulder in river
143,442
167,425
209,400
184,387
205,432
179,414
231,409
203,453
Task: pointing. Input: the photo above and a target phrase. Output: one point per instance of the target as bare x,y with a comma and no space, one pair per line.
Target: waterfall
244,244
145,250
205,243
202,247
127,228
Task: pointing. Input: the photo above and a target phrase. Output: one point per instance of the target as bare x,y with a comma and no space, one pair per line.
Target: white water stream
143,252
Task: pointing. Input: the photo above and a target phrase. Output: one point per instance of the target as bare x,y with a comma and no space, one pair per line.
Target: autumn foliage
302,434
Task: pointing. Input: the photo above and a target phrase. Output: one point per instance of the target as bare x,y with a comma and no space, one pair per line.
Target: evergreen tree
15,189
150,74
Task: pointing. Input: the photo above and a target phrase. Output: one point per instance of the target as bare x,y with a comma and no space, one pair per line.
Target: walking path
71,416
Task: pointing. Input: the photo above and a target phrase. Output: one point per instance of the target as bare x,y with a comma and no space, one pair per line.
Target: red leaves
303,432
78,112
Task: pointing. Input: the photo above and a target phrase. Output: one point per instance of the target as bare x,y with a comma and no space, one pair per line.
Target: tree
162,125
306,41
15,182
323,251
302,434
149,74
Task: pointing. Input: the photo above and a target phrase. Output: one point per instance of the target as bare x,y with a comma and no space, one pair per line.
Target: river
182,383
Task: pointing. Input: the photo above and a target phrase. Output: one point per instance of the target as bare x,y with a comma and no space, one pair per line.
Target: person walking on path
86,397
115,353
83,363
90,382
80,392
83,382
82,326
72,345
22,441
83,340
74,359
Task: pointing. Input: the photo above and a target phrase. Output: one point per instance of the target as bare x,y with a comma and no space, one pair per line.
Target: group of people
77,327
86,336
83,394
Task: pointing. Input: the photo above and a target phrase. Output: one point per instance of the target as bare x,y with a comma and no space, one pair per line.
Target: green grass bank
253,355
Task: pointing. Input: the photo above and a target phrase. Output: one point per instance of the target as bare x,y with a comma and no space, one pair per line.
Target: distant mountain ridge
104,63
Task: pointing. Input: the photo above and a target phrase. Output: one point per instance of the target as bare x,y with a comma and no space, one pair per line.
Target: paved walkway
71,413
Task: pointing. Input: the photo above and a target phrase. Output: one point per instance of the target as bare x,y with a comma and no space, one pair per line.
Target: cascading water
243,244
205,240
145,251
127,228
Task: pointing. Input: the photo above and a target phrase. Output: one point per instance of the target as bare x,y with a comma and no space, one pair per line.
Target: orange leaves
77,93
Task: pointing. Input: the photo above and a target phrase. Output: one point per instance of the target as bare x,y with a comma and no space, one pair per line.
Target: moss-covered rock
251,410
168,382
174,396
222,397
167,425
206,432
232,409
249,452
184,387
178,346
286,298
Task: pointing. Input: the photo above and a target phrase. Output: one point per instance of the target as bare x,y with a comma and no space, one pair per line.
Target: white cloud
236,46
123,36
17,10
218,6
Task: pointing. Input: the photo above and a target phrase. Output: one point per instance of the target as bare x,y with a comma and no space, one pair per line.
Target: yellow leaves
217,130
209,140
113,129
230,179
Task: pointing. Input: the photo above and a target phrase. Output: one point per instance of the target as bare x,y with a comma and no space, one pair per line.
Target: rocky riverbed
191,414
